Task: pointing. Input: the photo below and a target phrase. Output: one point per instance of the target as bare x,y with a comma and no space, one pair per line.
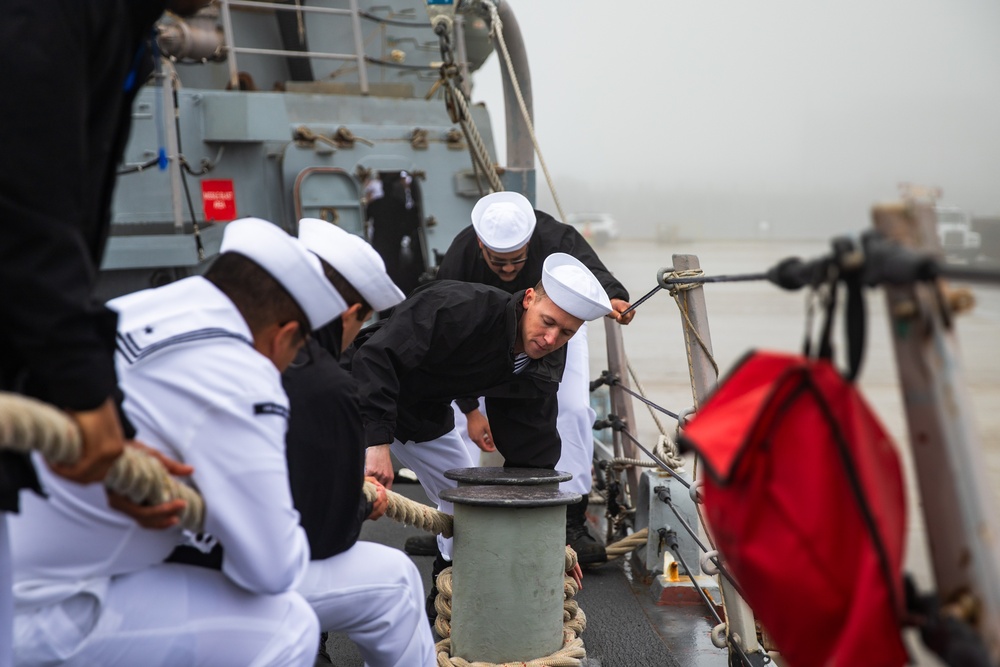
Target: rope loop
571,654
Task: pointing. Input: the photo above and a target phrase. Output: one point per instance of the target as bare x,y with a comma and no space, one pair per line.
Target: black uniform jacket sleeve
446,341
325,450
464,259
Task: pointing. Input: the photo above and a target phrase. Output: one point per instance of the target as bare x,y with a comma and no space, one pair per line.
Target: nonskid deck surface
624,627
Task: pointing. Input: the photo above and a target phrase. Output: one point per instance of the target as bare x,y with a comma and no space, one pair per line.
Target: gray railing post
621,403
739,616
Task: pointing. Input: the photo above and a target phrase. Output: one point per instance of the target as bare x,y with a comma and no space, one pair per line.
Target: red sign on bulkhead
219,200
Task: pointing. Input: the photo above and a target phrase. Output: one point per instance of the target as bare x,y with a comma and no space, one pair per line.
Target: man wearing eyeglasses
505,247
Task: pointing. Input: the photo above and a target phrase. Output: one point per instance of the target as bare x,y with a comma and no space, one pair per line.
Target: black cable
386,63
137,167
619,426
665,498
641,300
737,278
618,383
389,21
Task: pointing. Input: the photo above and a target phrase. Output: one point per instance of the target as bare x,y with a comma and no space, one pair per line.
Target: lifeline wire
711,607
722,568
618,426
618,383
689,280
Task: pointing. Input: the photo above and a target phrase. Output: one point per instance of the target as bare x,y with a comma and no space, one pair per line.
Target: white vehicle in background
954,228
597,228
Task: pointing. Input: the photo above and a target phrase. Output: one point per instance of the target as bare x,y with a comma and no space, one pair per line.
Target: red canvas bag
805,500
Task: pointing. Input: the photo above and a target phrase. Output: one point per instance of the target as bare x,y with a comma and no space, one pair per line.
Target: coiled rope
28,424
571,654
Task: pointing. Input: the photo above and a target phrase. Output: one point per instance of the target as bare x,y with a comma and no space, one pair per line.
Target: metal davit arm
947,453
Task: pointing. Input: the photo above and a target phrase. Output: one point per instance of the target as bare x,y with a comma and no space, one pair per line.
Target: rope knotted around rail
28,424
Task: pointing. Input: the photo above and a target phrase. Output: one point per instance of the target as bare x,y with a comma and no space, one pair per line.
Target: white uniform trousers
6,596
575,423
429,460
374,594
169,615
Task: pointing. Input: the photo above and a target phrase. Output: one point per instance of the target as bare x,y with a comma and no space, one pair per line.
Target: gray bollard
537,477
507,577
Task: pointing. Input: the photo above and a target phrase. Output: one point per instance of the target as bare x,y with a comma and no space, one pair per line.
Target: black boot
323,656
439,565
588,550
421,545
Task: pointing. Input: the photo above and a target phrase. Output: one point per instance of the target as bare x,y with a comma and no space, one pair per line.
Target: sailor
505,247
451,339
371,592
200,363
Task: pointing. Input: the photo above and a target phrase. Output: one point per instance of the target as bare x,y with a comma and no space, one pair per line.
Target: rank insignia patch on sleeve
270,409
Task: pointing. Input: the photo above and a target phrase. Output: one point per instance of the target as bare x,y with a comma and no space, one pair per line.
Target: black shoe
439,565
323,656
421,545
588,550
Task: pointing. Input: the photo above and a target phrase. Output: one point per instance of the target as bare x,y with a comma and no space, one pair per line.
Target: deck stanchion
739,616
507,577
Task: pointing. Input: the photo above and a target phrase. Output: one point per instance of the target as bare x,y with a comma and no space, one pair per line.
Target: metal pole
359,48
169,116
961,517
520,170
230,41
739,616
621,403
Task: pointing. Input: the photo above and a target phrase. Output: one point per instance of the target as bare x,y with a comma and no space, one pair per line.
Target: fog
758,118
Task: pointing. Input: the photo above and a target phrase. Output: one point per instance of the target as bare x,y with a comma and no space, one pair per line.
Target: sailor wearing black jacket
452,339
371,592
505,247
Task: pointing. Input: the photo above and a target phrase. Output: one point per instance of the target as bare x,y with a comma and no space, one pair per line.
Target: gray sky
728,112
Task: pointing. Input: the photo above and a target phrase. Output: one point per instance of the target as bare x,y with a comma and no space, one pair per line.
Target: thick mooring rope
28,424
571,654
412,513
627,545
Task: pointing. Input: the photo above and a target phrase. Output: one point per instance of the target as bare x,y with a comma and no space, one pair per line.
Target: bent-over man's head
567,296
504,223
355,270
277,285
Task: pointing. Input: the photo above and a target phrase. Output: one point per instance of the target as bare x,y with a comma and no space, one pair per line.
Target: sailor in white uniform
199,361
369,591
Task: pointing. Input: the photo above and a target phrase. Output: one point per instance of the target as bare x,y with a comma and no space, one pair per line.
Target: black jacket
325,446
464,260
72,59
448,340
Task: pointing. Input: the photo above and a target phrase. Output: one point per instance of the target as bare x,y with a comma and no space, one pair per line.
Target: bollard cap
508,476
513,497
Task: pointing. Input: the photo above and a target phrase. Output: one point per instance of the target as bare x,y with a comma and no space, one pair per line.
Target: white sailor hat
572,287
288,262
357,261
503,221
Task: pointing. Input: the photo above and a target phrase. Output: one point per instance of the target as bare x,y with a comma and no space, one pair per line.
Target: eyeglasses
500,263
